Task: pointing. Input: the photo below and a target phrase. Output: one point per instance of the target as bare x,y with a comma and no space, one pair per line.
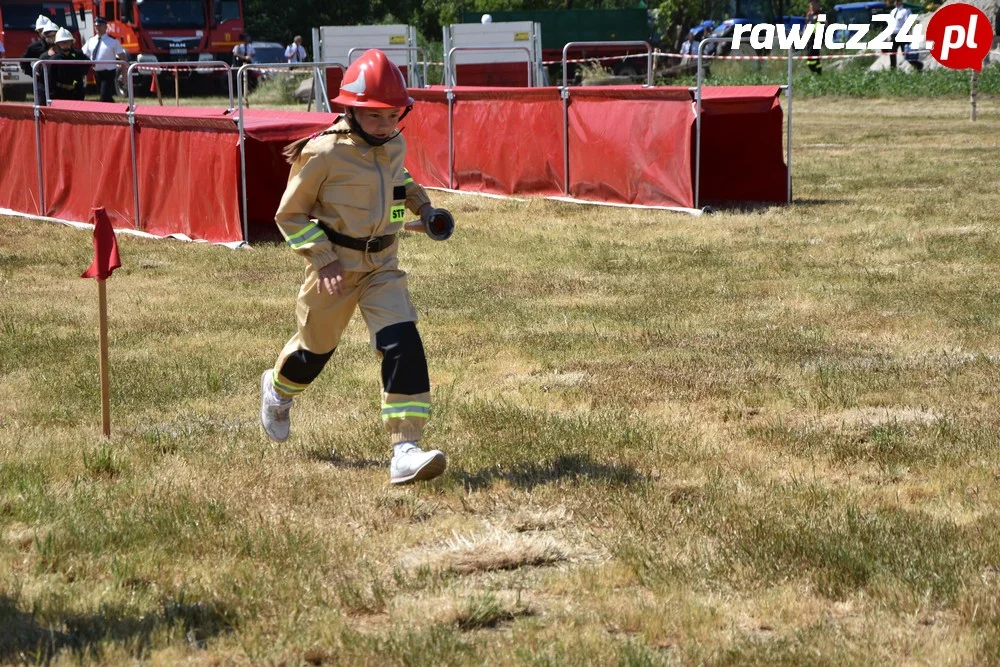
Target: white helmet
50,27
41,22
487,18
64,35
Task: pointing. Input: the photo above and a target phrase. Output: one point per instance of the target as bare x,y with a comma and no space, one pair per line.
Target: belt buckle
373,245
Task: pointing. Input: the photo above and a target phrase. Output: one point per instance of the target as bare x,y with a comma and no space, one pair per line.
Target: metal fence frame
242,72
697,96
408,49
240,78
450,76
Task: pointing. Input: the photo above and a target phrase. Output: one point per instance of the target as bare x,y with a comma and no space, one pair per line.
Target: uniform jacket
35,50
68,82
352,188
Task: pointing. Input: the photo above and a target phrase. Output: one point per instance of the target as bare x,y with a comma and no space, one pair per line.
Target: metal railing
130,84
157,67
241,86
449,63
240,83
564,91
698,96
408,49
607,45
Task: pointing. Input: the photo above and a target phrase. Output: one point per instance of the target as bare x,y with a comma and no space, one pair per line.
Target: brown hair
293,150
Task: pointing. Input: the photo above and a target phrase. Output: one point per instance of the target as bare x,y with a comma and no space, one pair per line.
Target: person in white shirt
295,52
899,14
105,51
243,53
690,46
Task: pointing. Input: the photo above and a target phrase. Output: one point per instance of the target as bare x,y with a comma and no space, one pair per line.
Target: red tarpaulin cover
629,145
18,166
742,158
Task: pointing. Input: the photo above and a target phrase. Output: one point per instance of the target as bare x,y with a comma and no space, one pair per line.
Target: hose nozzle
440,224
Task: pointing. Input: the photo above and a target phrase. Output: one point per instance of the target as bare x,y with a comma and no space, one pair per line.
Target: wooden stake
105,385
973,91
159,95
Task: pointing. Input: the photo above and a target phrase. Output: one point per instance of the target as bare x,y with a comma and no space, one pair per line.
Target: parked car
266,53
269,52
724,29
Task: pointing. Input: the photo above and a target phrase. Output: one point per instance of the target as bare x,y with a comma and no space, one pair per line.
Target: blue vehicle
701,30
725,29
855,12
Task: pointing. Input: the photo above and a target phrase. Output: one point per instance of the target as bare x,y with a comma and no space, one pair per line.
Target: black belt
372,245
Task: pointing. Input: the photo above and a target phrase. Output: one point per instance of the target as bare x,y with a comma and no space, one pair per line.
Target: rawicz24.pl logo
958,36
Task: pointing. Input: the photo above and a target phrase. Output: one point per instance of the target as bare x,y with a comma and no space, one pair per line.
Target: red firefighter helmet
373,81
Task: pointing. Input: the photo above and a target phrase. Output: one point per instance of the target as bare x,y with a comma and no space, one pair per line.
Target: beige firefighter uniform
342,185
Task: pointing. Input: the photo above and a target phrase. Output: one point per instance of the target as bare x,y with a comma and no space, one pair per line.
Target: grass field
764,437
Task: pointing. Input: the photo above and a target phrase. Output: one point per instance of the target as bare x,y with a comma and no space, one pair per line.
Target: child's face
379,123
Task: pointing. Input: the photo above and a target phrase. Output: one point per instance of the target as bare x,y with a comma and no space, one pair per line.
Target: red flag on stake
106,260
106,257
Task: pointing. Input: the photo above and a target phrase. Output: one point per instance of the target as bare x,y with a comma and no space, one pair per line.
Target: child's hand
331,279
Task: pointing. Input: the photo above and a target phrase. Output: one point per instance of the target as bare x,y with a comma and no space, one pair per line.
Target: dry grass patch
768,436
496,549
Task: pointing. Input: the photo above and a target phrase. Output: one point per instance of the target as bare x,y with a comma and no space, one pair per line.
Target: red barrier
627,145
87,163
741,151
187,159
18,167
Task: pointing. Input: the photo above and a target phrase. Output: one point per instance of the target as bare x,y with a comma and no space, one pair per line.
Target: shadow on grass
754,206
574,468
338,461
39,636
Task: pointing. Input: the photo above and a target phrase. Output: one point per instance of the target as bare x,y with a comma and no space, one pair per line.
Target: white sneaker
412,464
274,410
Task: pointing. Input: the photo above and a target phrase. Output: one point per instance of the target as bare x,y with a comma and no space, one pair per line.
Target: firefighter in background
812,16
345,201
67,82
38,47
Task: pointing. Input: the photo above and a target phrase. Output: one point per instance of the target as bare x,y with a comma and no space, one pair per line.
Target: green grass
767,436
850,80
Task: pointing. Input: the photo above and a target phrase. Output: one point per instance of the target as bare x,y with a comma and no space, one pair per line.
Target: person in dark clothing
67,82
37,51
46,33
813,62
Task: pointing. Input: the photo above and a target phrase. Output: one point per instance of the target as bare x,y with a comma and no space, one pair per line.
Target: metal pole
564,93
38,152
697,131
131,135
243,154
451,139
789,149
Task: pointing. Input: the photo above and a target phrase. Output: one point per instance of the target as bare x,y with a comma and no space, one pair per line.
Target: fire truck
17,18
163,31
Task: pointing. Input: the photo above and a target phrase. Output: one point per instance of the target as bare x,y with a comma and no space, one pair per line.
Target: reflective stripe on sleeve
308,234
